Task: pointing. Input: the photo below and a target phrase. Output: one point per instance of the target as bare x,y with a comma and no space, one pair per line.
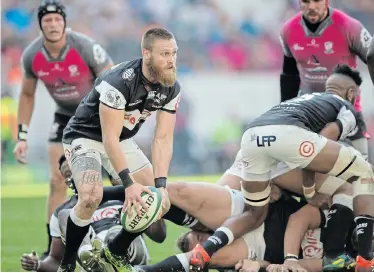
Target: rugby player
68,63
263,147
314,41
370,60
100,134
105,224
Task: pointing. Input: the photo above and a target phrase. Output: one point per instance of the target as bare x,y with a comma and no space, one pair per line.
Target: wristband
310,194
22,132
125,178
36,267
291,257
160,182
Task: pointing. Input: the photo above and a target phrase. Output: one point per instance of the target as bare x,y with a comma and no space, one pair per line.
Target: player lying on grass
204,206
105,224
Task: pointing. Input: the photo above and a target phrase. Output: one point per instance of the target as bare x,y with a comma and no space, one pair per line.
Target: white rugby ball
137,223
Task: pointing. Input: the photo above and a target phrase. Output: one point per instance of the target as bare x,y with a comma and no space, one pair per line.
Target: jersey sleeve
94,54
359,38
284,44
26,64
54,227
172,102
112,89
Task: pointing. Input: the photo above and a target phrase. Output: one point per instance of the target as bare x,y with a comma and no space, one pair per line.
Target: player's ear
145,53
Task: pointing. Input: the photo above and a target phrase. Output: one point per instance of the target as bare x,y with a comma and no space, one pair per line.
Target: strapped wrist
22,132
126,180
160,182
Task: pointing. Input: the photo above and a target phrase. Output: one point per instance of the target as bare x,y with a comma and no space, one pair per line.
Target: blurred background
229,61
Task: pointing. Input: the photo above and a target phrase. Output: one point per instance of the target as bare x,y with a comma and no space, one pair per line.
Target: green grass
23,224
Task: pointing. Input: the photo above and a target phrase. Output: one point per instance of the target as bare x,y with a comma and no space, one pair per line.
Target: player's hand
293,266
20,151
248,266
348,120
30,262
133,198
320,200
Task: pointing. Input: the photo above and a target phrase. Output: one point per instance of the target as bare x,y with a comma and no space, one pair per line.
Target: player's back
310,111
339,39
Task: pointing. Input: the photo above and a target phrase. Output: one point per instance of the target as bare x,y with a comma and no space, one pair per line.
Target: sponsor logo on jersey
296,47
128,74
316,77
99,54
318,69
329,48
73,69
113,98
42,73
365,38
313,43
135,102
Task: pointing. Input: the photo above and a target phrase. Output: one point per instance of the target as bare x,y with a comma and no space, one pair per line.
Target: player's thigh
84,157
201,199
138,163
232,175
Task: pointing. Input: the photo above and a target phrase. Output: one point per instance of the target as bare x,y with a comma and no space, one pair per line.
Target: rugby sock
76,230
180,217
176,263
223,236
113,193
339,222
121,242
364,229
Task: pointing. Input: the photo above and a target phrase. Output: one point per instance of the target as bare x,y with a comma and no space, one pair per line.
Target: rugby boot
340,263
199,258
119,263
91,260
363,265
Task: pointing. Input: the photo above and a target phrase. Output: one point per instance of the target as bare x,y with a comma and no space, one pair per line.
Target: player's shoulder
125,72
292,22
342,18
35,46
76,36
67,205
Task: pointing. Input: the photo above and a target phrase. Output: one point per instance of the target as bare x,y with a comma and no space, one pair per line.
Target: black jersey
122,87
310,111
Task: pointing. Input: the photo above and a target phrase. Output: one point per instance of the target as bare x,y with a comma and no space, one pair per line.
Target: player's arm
96,56
290,78
311,265
370,60
53,260
358,38
308,217
162,144
27,97
111,112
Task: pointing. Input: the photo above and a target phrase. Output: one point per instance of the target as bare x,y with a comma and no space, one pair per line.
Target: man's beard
166,79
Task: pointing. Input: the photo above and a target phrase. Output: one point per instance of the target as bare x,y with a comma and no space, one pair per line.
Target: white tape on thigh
361,187
331,185
257,199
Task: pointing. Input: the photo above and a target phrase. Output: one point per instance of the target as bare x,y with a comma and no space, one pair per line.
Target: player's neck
146,73
55,48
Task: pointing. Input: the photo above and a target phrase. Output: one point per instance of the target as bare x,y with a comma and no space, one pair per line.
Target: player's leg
256,173
231,177
198,202
85,162
57,188
346,163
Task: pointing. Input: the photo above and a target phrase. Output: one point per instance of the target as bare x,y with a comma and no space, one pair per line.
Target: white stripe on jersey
111,96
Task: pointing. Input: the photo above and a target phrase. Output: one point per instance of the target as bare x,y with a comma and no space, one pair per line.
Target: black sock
178,216
339,222
74,237
121,242
218,240
49,238
364,230
113,193
170,264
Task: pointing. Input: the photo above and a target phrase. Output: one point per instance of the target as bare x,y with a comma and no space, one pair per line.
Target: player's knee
351,166
257,199
179,190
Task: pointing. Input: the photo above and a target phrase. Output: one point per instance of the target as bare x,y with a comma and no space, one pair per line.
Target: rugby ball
137,223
